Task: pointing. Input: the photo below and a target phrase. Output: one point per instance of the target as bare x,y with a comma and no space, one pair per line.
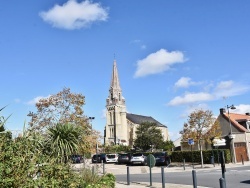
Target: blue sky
173,56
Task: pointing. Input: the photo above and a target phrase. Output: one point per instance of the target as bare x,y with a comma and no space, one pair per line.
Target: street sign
219,142
150,160
190,141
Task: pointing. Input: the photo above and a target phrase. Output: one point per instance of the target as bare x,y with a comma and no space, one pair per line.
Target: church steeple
115,91
116,131
115,84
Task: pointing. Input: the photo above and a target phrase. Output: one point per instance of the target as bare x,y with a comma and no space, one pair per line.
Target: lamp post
90,119
231,136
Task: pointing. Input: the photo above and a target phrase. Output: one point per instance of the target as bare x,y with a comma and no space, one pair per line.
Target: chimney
222,110
248,113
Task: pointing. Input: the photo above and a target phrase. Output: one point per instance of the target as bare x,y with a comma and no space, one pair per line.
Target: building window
110,116
119,96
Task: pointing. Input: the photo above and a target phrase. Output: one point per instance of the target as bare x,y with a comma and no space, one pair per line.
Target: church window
119,96
111,95
110,116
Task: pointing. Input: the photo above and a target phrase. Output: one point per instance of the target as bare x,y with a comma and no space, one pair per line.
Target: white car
111,158
138,158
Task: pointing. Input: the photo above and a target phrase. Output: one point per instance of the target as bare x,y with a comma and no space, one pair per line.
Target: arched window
110,117
119,96
111,95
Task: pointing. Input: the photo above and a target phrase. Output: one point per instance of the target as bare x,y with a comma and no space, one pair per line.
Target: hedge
178,156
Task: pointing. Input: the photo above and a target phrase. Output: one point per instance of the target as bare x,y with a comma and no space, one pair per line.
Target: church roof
138,119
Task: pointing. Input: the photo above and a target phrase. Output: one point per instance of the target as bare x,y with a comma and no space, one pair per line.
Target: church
121,126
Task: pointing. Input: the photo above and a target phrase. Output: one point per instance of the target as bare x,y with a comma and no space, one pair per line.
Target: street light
231,136
90,119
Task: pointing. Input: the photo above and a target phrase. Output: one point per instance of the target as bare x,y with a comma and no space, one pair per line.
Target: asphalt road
235,177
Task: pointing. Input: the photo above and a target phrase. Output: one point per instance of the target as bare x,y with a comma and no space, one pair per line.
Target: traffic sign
150,160
219,142
190,141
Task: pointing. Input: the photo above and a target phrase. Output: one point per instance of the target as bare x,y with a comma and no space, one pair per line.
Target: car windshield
111,155
123,155
137,155
159,154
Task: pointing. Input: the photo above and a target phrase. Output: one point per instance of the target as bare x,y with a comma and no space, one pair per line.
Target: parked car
111,158
124,158
161,158
98,158
138,158
76,158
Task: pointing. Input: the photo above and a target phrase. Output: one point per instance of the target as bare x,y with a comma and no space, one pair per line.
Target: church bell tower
116,125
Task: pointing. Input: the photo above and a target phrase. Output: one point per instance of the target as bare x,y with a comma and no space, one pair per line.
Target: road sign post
150,163
191,143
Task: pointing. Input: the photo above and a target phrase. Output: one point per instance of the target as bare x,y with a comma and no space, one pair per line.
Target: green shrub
178,156
23,164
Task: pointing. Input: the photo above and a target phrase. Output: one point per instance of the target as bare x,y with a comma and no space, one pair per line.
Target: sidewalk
175,167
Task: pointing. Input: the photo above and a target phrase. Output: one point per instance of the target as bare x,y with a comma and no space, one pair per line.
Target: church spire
115,91
115,84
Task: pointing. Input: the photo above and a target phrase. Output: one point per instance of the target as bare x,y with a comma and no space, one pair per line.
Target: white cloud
230,88
242,109
36,99
190,98
158,62
217,91
74,15
185,82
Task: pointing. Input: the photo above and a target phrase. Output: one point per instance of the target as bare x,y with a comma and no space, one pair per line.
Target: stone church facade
121,126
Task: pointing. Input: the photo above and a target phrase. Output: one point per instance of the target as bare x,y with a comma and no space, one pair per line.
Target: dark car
77,158
98,158
124,158
161,158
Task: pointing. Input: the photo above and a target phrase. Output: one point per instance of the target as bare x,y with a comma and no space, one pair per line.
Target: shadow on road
246,182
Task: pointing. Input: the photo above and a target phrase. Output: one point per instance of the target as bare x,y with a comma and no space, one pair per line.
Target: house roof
235,118
138,119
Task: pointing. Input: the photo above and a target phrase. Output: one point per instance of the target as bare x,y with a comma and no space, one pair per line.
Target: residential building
236,131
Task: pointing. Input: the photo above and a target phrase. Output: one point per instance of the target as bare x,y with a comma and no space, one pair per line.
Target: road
235,177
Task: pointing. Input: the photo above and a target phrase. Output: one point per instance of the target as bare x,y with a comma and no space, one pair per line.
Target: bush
178,156
23,164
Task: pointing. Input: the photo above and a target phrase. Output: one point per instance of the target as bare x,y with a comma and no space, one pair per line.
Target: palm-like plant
3,121
63,141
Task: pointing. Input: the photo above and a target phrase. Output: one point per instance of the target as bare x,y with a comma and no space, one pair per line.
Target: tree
167,145
62,140
63,108
201,126
147,136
